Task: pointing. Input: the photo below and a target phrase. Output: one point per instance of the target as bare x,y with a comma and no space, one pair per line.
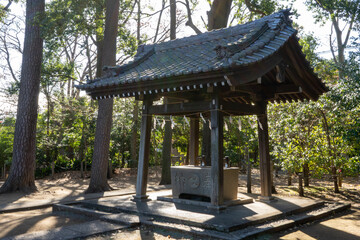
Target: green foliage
334,9
6,140
321,134
249,10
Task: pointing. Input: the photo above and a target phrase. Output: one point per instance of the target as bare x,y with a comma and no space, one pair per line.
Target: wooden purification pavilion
231,71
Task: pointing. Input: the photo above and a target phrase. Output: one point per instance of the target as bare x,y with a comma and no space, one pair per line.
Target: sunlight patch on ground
345,224
297,236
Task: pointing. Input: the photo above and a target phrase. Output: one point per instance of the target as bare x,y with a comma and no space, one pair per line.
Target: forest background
314,138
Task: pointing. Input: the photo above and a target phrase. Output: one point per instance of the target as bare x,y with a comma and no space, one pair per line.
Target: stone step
254,230
194,223
77,209
290,221
76,231
254,221
95,212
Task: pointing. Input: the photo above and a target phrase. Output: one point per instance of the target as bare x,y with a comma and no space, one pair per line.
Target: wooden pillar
265,164
206,142
194,141
144,149
217,170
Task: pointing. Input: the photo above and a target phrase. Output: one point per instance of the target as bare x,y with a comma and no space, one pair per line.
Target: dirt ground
69,185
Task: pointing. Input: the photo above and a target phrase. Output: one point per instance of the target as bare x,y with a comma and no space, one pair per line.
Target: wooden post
206,142
144,149
265,164
194,141
248,182
217,169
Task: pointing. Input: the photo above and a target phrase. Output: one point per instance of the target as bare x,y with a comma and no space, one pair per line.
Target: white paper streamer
203,119
155,123
260,125
187,121
172,122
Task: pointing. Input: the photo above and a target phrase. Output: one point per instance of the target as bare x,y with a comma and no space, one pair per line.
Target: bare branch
349,31
6,8
331,46
159,20
253,9
190,22
130,13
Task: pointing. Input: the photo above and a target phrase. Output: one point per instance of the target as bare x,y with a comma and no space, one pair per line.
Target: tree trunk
219,14
340,179
306,174
167,143
98,181
99,168
289,178
166,154
336,186
172,19
22,171
134,135
109,174
206,143
301,189
217,18
273,189
4,172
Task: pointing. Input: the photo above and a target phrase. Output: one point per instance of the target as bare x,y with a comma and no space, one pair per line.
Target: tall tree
337,12
22,172
167,142
219,14
134,129
98,181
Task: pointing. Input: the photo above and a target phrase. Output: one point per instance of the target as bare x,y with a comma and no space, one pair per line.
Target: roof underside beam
228,108
252,73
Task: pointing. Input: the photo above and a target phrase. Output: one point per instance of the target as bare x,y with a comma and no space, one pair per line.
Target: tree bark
219,14
301,189
306,174
273,189
167,143
22,171
98,181
134,135
172,19
206,143
217,18
166,154
289,178
134,129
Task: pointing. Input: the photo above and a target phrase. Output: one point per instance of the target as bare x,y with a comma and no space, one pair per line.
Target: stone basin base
196,181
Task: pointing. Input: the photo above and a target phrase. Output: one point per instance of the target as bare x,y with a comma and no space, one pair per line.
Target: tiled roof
226,48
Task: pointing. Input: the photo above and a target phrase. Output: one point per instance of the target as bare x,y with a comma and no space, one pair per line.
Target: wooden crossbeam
240,109
180,108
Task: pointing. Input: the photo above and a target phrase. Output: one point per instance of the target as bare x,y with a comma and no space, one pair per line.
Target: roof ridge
194,39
